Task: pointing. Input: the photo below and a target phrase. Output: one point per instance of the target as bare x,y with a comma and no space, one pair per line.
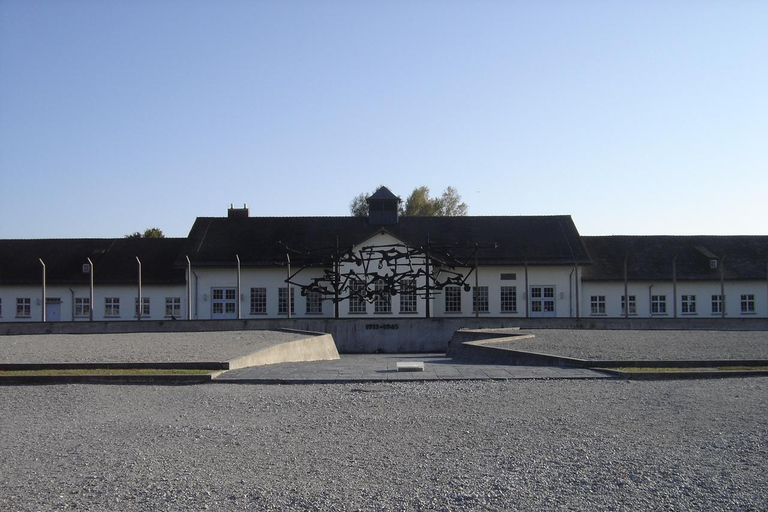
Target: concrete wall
388,334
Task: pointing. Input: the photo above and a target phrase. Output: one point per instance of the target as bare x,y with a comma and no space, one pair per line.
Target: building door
542,300
223,303
52,309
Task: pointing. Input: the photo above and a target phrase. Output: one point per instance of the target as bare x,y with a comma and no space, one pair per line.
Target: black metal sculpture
381,271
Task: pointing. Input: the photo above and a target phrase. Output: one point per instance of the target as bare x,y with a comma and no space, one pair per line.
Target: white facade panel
686,299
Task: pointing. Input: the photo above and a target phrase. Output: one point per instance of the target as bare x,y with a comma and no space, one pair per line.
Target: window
383,302
688,304
23,308
1,308
748,304
357,297
144,306
314,303
717,304
82,306
597,304
508,277
713,263
408,296
509,299
223,303
112,306
658,304
173,307
282,306
480,299
632,305
258,301
452,299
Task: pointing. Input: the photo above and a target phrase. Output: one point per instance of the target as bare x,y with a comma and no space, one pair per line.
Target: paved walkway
383,367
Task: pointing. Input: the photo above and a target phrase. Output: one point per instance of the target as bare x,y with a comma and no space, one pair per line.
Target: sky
633,117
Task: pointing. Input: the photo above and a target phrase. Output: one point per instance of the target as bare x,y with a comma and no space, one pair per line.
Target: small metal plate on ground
410,366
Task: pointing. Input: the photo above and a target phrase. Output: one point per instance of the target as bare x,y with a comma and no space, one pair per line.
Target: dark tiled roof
649,258
383,193
114,260
262,241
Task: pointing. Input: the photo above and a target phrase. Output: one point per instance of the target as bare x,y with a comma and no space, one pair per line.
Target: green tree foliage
418,204
449,204
148,233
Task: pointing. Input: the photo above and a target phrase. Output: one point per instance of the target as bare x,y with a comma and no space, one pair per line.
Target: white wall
703,290
67,294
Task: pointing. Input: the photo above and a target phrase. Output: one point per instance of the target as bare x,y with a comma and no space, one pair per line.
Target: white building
383,266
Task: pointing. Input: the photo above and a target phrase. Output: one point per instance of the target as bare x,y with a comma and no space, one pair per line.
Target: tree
419,204
449,204
148,233
359,206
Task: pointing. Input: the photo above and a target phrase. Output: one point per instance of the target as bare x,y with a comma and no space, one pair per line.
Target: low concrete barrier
384,334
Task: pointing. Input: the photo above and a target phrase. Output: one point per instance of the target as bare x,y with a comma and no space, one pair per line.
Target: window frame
111,307
507,298
357,303
597,305
173,307
452,296
748,304
314,303
257,303
632,305
717,304
23,307
658,304
145,307
408,301
282,305
82,307
688,304
382,304
481,298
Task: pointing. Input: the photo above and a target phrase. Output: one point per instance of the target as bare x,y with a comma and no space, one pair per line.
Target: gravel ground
645,345
137,347
514,445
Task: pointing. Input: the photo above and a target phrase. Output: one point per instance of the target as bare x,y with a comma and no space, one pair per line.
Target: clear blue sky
634,117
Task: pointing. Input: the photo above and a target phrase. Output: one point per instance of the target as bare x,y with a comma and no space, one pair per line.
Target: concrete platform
224,349
383,368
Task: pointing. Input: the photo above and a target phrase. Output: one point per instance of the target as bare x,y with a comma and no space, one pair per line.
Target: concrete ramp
319,347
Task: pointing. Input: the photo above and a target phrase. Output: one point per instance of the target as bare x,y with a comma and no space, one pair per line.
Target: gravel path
645,345
522,445
137,347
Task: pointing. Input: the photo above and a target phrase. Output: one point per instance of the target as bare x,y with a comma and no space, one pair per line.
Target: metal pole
90,299
189,289
139,306
239,315
626,289
722,287
43,290
527,292
336,281
477,281
288,287
426,284
674,286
